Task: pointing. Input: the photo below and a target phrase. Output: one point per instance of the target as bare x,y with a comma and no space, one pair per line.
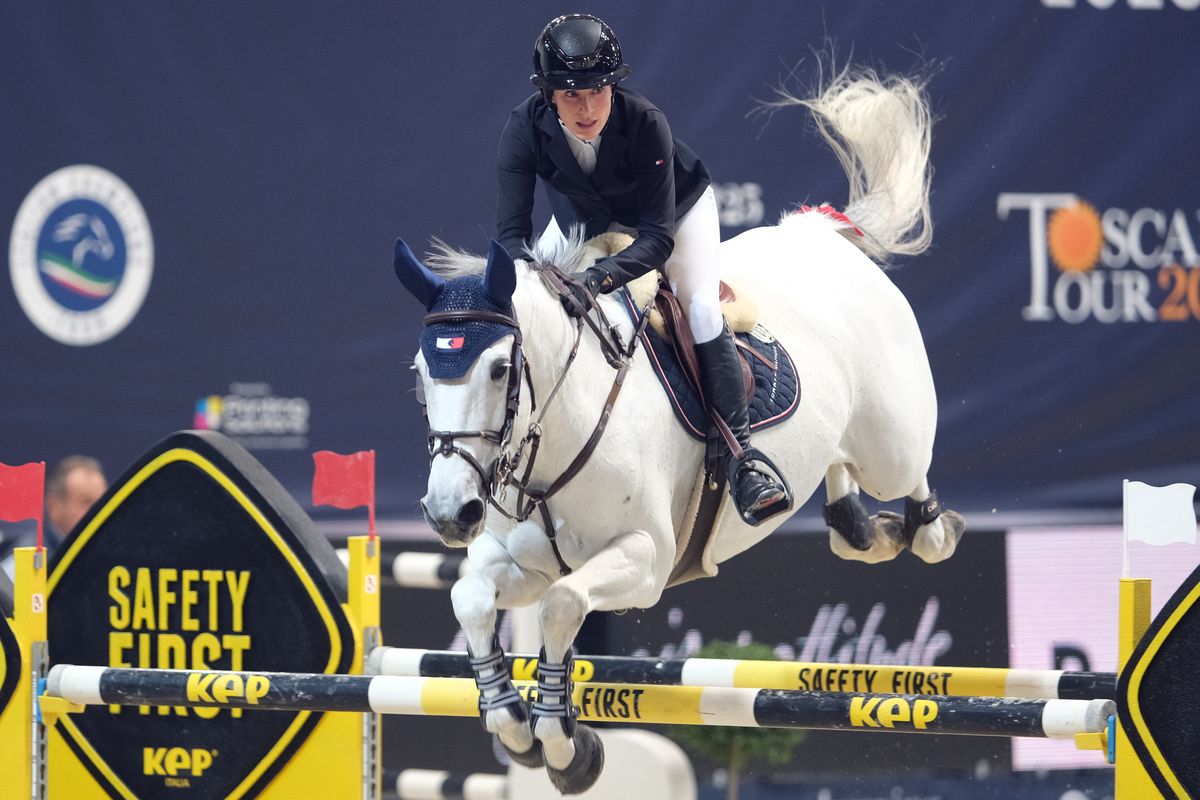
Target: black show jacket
644,179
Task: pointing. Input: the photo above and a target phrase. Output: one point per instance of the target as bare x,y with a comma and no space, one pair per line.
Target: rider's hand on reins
583,291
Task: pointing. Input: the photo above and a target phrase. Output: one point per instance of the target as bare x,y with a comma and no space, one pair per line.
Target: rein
503,474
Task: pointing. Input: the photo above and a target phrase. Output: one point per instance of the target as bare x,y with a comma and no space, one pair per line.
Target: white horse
866,420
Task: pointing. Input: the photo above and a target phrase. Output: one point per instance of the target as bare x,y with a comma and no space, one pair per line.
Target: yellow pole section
364,580
29,625
362,601
1132,780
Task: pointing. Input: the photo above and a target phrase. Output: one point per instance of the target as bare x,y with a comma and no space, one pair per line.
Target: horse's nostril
470,513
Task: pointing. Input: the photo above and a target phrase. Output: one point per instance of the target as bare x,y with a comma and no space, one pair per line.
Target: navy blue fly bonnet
451,347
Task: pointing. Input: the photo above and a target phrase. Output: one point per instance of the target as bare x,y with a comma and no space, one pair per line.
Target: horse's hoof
584,768
889,526
931,549
531,758
955,526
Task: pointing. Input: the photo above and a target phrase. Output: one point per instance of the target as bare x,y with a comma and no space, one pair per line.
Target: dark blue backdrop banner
203,199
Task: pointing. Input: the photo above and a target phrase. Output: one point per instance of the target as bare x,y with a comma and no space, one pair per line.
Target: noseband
502,474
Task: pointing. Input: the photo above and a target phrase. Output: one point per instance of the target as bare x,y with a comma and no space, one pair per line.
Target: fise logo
81,255
1121,265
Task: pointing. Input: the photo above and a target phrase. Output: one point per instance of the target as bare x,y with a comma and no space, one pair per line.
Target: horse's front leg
496,581
620,576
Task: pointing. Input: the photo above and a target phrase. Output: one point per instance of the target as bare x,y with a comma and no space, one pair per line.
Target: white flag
1159,514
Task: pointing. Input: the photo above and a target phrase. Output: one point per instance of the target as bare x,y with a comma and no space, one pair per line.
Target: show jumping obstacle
788,675
433,784
1154,750
597,702
411,570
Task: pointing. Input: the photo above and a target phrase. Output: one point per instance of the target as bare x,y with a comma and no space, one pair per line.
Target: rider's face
585,112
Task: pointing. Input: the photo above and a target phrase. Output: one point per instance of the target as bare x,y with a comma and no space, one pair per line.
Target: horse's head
468,370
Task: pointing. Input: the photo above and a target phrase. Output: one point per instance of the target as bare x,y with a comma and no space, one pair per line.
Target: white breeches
693,268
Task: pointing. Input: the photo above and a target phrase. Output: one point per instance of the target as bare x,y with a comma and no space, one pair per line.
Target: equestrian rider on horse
608,161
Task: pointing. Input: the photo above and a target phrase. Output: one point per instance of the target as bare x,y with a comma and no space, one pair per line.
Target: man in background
74,485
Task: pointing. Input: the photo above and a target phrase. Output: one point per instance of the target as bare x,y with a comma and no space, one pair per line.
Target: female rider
608,161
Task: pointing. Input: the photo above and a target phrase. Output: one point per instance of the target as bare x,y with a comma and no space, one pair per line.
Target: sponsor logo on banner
255,417
1139,5
740,204
176,764
81,255
834,635
1121,264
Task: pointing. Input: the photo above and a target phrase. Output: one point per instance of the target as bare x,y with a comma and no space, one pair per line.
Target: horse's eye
499,370
419,390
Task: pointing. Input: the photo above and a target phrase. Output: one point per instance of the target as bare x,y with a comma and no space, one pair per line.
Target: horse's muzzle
460,527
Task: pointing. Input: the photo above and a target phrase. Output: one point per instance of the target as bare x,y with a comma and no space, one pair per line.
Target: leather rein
504,469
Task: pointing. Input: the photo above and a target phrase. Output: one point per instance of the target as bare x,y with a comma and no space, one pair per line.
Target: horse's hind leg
853,534
932,530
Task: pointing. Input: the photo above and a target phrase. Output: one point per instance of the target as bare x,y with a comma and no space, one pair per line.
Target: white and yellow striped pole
792,675
597,702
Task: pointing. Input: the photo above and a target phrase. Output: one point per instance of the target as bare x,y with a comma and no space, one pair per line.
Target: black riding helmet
577,51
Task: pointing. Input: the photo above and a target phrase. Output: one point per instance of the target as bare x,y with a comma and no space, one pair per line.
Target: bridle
502,474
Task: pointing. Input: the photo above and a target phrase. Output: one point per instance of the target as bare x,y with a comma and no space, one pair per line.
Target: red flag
21,493
345,481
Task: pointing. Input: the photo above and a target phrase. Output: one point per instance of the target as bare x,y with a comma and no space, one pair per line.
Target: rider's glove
583,290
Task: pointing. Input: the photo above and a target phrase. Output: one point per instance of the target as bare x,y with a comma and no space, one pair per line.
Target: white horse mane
571,254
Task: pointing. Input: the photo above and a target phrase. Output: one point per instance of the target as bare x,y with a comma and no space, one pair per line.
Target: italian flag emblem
451,342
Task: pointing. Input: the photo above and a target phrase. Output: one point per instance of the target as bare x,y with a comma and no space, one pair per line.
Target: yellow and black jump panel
195,558
10,653
1158,701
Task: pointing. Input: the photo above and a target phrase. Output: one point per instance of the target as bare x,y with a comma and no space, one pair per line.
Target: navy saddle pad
776,387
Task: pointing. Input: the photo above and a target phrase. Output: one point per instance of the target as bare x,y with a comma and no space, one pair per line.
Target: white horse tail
879,127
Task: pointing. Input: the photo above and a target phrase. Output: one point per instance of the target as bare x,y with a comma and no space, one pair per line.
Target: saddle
669,321
768,374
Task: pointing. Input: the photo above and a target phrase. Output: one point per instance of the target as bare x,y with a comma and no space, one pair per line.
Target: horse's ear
500,280
421,282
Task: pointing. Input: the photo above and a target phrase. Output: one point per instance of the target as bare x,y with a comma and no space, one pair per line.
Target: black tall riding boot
721,373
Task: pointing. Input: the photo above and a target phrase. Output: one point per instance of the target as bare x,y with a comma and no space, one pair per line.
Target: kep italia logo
1119,265
81,255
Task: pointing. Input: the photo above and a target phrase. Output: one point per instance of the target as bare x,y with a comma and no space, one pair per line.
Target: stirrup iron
755,456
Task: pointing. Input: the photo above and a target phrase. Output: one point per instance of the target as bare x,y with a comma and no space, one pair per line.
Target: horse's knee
562,613
474,605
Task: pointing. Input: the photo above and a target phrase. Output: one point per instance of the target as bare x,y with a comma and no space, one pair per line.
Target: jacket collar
613,145
559,150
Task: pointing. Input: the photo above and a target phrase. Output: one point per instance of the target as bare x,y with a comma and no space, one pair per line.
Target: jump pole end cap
52,684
